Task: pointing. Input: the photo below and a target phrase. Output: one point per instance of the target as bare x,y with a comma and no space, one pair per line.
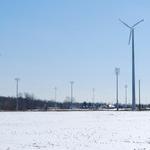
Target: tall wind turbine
131,35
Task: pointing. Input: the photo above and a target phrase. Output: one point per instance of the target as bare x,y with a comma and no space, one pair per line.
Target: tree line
29,103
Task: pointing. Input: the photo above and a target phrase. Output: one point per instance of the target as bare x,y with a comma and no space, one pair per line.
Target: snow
101,130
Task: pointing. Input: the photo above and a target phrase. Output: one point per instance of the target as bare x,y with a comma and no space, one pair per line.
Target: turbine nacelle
131,28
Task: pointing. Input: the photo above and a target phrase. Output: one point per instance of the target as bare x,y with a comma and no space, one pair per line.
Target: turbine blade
130,35
124,23
137,23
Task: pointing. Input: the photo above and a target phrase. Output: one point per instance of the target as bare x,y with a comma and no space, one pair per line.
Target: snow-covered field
75,130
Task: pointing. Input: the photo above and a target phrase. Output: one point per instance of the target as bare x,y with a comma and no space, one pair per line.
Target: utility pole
139,95
117,71
17,86
71,83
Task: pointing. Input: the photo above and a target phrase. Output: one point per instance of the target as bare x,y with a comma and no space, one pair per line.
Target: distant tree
84,105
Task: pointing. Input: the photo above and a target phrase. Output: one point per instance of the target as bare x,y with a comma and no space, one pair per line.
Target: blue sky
48,43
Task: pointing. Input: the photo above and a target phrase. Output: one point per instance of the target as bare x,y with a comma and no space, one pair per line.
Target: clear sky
48,43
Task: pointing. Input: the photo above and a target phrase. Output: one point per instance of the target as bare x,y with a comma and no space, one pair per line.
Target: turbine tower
71,98
93,98
126,94
17,81
131,35
55,97
117,71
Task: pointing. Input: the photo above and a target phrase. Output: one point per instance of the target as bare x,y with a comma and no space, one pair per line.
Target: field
105,130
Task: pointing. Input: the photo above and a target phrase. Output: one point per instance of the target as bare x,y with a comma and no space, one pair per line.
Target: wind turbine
131,35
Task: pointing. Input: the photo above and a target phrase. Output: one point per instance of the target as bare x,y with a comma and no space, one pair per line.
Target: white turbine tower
133,61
